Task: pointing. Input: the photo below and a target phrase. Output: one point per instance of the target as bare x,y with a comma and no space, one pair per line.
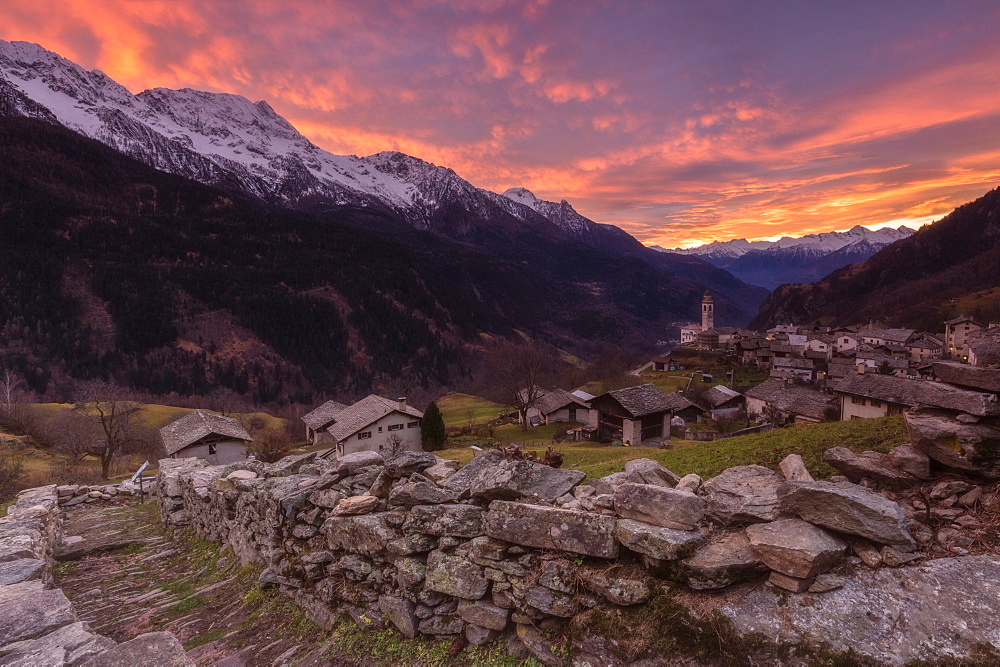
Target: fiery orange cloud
680,122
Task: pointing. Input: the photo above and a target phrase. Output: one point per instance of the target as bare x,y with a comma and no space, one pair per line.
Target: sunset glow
681,122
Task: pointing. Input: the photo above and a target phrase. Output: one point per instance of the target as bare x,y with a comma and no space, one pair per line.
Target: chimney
402,403
862,367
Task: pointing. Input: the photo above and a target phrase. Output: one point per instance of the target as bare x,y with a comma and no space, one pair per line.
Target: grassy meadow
710,458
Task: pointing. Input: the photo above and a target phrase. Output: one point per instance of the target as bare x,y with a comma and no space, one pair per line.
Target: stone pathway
125,577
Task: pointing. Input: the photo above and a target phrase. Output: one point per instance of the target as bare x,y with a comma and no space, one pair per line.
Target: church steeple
707,312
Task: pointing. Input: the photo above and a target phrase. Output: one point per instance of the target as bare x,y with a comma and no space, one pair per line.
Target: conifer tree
432,429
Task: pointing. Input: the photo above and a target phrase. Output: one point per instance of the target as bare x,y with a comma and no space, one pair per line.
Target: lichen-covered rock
870,465
944,609
407,463
659,506
153,648
648,471
907,459
420,493
22,569
794,469
795,548
484,614
28,610
446,520
656,541
723,559
455,575
618,585
745,494
442,470
550,602
974,448
851,509
441,625
69,645
512,480
550,528
350,464
400,613
368,534
467,475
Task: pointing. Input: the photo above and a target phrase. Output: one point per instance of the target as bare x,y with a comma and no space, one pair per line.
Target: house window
412,424
857,400
572,414
379,429
395,427
364,435
876,404
211,449
895,409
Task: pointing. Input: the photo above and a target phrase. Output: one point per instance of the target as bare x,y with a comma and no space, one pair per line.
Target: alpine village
266,404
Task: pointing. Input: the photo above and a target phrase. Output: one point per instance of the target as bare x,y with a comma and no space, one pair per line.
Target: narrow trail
125,577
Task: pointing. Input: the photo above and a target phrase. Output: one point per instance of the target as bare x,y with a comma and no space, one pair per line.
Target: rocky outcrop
972,447
747,494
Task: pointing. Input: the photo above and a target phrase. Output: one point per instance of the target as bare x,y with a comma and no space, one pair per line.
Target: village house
794,402
374,424
984,347
746,351
637,414
206,435
723,402
689,332
793,369
922,349
317,421
956,337
844,343
820,343
559,405
707,340
660,362
868,395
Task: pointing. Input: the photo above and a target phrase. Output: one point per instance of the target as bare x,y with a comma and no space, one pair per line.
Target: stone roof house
317,421
799,403
637,414
559,405
793,368
956,336
375,424
206,435
875,395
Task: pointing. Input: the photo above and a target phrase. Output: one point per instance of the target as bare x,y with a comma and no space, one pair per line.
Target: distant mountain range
789,260
944,269
280,269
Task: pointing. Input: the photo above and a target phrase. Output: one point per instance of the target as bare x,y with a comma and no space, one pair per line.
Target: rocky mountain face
229,142
790,260
915,282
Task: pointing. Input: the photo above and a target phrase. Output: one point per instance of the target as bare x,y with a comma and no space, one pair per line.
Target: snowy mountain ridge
226,140
820,244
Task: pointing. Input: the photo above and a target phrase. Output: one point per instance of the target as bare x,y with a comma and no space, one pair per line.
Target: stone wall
38,624
508,546
75,494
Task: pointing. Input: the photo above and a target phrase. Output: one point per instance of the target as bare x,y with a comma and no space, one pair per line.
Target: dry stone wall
507,546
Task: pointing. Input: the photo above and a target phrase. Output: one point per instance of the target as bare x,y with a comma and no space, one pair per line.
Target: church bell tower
707,312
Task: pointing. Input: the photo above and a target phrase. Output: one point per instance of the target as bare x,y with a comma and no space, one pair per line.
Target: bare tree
517,373
394,446
116,413
13,408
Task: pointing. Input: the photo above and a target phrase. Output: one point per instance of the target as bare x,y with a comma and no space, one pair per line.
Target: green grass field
710,458
458,409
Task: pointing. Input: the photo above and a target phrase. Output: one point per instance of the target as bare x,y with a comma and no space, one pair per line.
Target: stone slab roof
323,415
196,425
792,398
556,399
644,399
913,393
364,413
719,395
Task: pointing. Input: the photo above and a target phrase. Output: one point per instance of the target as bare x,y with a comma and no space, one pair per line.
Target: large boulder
946,609
399,611
745,494
659,506
69,645
455,575
851,509
648,471
28,610
656,541
512,480
407,463
446,520
550,528
350,464
794,469
973,448
724,559
795,548
871,465
463,479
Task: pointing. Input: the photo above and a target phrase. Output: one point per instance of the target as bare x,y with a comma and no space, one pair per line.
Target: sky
681,122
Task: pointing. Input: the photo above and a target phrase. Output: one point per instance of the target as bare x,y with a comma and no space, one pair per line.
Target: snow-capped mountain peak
822,243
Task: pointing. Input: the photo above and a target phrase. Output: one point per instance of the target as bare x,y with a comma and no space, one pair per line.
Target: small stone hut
206,435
